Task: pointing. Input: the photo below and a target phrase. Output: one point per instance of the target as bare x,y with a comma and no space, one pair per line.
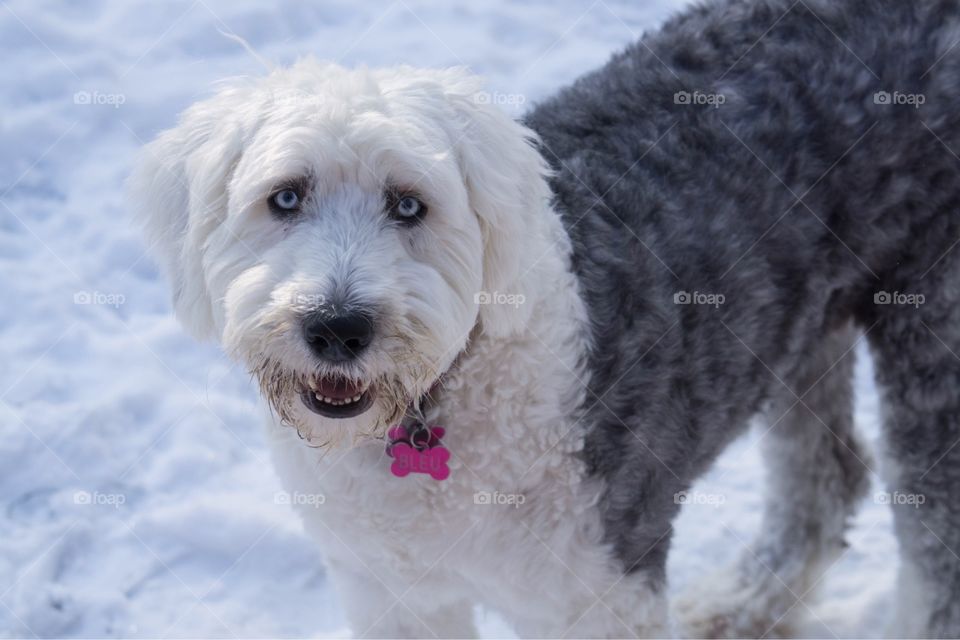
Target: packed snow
138,497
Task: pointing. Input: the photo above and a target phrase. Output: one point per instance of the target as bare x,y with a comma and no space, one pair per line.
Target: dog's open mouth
334,397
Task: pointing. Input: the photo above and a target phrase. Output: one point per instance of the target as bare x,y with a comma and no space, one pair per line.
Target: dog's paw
726,606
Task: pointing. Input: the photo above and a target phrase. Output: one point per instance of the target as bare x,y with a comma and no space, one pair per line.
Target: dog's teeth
332,401
312,383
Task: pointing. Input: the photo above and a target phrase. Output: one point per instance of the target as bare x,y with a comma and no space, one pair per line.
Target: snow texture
137,494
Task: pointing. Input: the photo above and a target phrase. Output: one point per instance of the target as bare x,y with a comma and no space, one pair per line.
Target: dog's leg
817,473
374,611
917,350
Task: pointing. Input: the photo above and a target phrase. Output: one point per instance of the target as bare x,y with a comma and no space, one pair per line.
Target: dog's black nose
338,338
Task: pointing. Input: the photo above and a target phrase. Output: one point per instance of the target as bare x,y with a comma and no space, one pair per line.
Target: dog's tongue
338,388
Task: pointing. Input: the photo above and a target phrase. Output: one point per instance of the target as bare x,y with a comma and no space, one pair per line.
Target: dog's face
335,229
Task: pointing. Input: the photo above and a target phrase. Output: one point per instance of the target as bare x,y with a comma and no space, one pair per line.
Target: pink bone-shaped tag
431,461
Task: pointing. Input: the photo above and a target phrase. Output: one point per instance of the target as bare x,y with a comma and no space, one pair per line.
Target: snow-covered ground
136,492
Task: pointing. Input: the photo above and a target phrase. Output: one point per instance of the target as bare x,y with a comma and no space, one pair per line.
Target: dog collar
416,447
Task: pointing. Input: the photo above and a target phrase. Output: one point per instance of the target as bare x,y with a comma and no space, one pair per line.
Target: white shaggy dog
482,263
502,379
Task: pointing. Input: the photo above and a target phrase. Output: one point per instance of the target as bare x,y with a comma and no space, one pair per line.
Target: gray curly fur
798,199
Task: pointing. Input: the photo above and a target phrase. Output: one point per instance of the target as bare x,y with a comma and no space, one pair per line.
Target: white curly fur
410,556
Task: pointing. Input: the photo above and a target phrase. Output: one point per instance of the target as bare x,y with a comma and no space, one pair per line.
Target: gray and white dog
593,304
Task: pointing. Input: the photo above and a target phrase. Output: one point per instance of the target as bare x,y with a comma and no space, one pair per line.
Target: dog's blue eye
409,207
287,200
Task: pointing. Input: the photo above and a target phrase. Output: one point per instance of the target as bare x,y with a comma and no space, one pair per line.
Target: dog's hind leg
817,473
917,347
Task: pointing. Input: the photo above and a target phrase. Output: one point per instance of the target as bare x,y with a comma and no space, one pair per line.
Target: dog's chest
516,482
517,492
495,469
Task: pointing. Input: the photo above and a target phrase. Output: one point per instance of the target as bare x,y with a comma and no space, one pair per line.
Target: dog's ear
505,177
178,190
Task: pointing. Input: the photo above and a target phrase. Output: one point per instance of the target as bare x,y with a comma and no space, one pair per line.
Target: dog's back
739,187
740,113
794,158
